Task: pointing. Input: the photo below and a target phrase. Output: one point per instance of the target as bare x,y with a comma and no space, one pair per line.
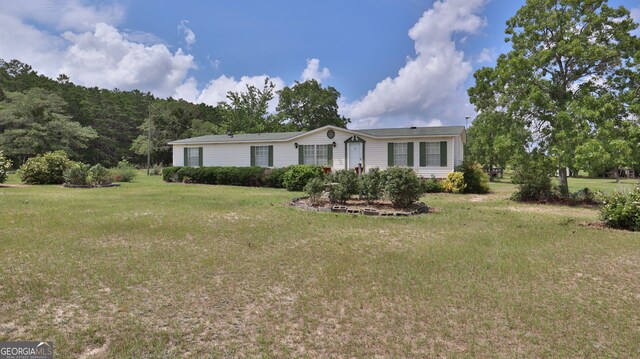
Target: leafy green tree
248,112
492,139
566,74
307,106
592,157
35,122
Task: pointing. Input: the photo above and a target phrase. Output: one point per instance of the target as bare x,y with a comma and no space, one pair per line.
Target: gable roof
286,136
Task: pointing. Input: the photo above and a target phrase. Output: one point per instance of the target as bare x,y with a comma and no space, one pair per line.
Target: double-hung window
400,154
192,156
317,155
262,156
433,154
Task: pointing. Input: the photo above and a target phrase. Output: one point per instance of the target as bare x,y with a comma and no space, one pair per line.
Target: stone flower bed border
297,203
90,186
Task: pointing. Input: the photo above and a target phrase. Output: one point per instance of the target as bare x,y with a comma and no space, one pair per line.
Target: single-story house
430,151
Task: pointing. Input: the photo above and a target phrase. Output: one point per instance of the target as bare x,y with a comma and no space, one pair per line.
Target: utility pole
149,140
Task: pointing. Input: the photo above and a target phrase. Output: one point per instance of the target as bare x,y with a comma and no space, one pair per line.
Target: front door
355,154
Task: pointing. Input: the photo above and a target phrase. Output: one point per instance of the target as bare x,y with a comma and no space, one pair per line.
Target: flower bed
358,207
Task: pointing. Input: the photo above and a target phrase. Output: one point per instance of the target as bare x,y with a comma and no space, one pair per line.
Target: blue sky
396,62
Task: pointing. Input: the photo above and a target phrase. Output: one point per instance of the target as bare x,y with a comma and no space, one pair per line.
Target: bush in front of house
454,183
402,186
47,168
476,179
314,189
156,170
5,166
348,178
432,185
372,185
231,176
76,175
99,176
296,177
622,210
124,171
275,176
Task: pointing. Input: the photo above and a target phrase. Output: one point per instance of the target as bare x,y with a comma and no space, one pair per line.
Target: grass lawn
171,270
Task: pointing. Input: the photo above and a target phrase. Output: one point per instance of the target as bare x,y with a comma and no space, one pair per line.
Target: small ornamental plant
5,165
622,210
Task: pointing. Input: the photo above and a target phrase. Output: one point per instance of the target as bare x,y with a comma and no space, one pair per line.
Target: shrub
622,210
454,183
475,178
338,193
156,170
99,176
432,185
348,178
124,171
169,174
76,174
314,189
296,177
47,168
233,176
274,177
5,165
402,186
372,185
532,174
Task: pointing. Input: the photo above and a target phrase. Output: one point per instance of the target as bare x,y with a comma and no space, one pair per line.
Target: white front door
355,154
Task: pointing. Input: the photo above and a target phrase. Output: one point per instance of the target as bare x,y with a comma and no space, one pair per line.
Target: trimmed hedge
232,176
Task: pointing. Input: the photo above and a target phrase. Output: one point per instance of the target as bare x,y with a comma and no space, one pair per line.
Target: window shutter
390,154
300,154
443,153
270,156
253,156
330,155
186,157
410,154
423,154
200,159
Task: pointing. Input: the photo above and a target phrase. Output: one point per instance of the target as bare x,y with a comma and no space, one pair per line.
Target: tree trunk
564,183
617,175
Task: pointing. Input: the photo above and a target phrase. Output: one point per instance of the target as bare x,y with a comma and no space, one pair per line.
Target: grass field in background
172,270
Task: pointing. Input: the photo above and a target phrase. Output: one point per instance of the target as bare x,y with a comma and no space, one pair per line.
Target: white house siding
376,155
285,153
459,150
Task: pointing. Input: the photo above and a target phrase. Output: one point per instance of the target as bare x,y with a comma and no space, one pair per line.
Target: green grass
171,270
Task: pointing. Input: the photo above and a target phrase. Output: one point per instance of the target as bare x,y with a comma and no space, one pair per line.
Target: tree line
93,125
567,95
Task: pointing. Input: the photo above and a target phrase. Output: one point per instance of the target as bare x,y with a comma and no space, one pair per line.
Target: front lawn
172,270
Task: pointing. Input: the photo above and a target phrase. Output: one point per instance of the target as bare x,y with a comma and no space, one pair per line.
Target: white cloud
189,35
313,71
430,85
486,55
90,52
105,58
63,14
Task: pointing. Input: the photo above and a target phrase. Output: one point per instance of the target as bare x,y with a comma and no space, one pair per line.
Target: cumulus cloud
63,14
90,52
105,58
313,71
189,35
430,85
